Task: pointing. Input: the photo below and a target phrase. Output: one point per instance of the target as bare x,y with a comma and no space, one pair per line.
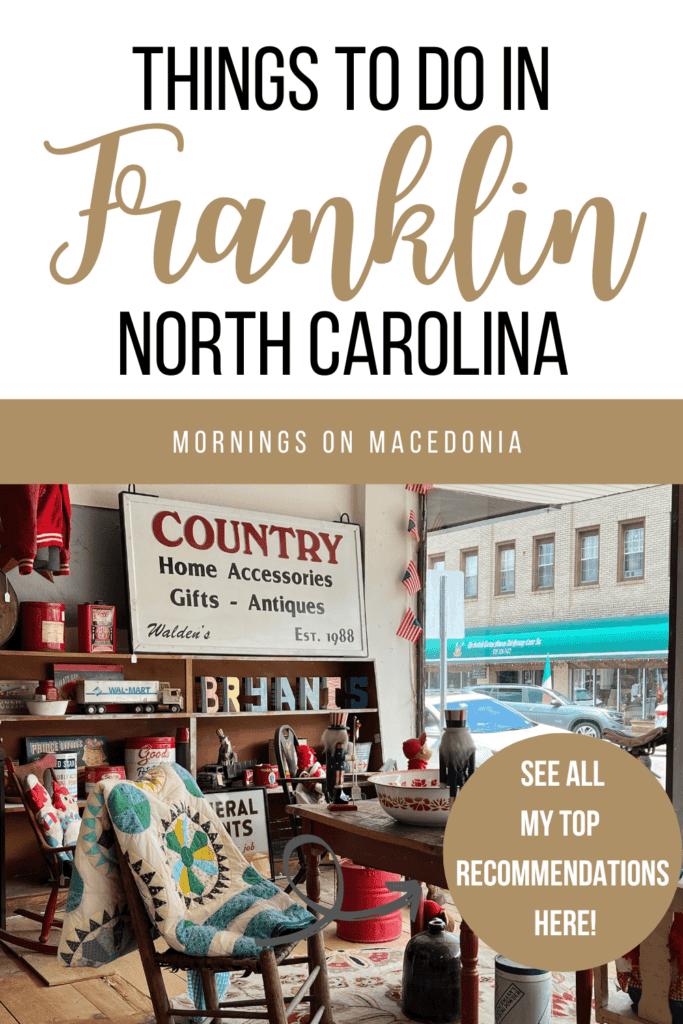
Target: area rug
365,985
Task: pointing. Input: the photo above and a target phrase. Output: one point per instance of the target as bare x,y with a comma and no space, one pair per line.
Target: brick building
585,583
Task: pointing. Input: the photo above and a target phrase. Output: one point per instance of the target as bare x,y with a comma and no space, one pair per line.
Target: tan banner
344,442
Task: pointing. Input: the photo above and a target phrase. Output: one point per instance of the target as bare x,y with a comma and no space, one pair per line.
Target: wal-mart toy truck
140,696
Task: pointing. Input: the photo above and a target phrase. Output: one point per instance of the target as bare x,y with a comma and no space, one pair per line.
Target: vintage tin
42,626
248,777
102,771
67,771
97,628
523,994
266,775
143,752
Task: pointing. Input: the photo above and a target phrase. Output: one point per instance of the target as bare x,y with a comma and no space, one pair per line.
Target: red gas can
97,628
42,626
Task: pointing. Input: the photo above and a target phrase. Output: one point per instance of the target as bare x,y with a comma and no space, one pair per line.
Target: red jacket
34,516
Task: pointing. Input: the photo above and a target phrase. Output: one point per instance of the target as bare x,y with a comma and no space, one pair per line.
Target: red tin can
248,777
95,774
97,628
42,626
266,775
144,752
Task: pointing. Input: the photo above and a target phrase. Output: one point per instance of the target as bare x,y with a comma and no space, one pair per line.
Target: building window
632,549
587,556
544,562
505,574
469,563
437,562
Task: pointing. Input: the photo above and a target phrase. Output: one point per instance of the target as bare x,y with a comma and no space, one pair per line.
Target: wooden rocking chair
17,776
315,989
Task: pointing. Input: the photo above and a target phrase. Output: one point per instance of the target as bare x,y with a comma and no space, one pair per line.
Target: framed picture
14,693
244,815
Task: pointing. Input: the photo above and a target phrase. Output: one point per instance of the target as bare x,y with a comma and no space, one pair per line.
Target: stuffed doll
417,752
628,975
58,818
432,910
308,767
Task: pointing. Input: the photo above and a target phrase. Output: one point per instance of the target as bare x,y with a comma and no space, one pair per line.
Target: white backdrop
610,131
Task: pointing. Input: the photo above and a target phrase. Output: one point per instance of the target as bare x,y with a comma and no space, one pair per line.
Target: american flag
412,525
411,579
410,628
420,488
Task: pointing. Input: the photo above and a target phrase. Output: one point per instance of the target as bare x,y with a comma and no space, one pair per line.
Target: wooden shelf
177,714
75,656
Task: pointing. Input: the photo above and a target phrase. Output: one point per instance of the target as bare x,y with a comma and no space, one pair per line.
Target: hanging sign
209,580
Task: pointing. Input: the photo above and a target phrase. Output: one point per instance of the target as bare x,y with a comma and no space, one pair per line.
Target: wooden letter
282,693
256,688
231,693
307,696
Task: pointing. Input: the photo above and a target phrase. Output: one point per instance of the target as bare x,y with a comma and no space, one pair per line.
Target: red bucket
42,626
364,888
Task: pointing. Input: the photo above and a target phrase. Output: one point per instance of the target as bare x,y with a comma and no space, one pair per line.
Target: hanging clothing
35,529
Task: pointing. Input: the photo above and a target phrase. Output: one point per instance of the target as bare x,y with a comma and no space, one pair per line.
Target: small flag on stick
411,579
412,525
420,488
547,674
410,628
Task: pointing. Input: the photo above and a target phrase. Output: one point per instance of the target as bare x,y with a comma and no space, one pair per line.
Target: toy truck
141,696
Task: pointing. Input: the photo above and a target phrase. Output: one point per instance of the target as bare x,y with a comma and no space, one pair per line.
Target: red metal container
93,775
365,888
144,752
42,626
97,629
266,775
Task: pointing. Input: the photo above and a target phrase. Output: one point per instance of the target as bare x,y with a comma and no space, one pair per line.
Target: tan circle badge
562,852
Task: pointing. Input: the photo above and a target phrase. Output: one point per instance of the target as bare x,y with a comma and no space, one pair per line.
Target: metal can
523,994
42,626
248,777
66,771
143,752
100,772
266,775
97,628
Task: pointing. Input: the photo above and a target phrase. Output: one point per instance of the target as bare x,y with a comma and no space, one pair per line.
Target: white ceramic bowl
47,707
413,798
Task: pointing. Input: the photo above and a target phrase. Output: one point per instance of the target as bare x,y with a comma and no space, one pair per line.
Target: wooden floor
34,990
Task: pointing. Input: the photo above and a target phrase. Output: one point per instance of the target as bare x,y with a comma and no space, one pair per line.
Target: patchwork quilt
200,892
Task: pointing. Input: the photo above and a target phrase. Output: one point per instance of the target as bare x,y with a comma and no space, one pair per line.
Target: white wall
324,501
388,549
382,510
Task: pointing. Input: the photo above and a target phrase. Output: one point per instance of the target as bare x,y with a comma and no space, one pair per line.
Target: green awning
638,637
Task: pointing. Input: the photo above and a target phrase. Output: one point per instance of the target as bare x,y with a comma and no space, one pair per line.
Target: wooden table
370,837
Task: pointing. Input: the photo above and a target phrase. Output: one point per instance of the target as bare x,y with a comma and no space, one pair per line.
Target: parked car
493,725
548,707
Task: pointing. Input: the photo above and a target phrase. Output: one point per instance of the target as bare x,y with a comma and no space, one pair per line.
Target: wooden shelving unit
249,732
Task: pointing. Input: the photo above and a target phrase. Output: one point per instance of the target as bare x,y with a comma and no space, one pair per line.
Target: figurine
417,752
456,751
226,755
336,744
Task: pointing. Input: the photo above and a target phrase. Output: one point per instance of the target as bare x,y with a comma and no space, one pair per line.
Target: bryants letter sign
210,580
